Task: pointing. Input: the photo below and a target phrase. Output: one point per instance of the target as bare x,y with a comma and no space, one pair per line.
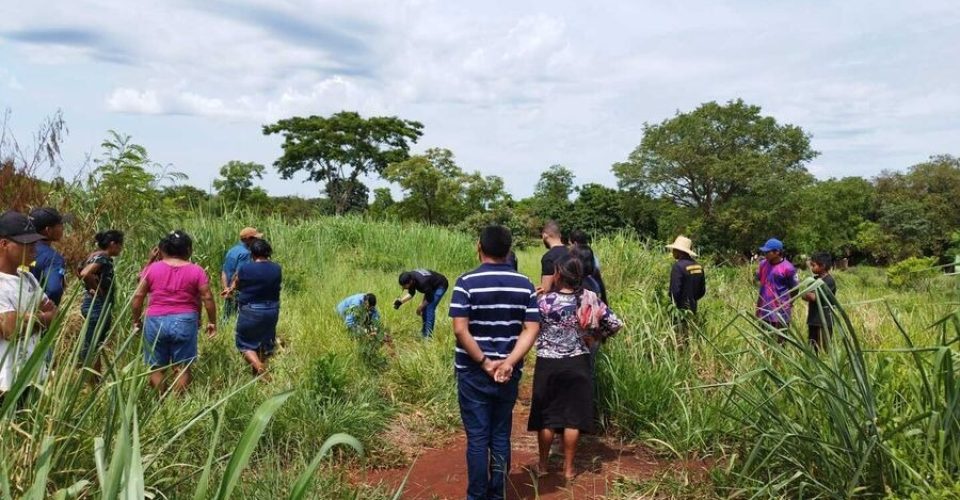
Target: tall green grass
876,415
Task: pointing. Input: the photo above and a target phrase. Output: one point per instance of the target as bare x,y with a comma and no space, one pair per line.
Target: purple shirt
776,281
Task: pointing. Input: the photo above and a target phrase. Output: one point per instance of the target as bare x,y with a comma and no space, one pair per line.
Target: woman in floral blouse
572,319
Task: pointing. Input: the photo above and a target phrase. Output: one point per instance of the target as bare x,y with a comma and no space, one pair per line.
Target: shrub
912,272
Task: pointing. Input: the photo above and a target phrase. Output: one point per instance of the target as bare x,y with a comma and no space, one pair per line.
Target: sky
510,87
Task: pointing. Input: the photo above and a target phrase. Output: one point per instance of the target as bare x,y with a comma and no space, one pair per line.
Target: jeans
99,319
486,408
430,312
170,339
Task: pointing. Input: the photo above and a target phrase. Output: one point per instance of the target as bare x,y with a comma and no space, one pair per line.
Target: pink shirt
173,289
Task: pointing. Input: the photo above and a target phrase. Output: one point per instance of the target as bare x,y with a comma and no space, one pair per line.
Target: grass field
877,416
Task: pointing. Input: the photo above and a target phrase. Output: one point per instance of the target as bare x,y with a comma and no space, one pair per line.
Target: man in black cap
22,301
49,267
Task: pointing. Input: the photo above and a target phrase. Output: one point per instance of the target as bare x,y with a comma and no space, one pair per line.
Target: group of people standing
32,283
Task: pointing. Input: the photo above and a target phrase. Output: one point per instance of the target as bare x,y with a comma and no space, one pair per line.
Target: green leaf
302,485
248,442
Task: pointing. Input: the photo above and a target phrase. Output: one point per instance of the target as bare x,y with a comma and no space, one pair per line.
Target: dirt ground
441,472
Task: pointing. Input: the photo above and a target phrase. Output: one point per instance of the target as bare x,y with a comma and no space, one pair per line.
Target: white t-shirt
21,293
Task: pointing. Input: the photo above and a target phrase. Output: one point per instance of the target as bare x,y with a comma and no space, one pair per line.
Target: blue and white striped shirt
497,301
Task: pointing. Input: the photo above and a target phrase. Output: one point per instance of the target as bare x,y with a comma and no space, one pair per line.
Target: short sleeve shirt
427,282
813,317
776,281
173,289
548,262
238,255
20,293
259,282
497,301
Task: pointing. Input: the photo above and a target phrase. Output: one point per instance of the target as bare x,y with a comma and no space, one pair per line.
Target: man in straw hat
238,255
687,281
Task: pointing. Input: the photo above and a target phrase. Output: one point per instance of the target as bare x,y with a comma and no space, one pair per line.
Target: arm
546,284
527,337
224,286
461,329
206,296
8,324
136,305
91,276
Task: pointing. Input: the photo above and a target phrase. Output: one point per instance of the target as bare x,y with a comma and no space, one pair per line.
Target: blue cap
772,245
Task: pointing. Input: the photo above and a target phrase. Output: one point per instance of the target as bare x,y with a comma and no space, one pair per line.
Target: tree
235,184
382,203
728,163
922,206
830,215
598,210
338,149
551,197
432,186
125,185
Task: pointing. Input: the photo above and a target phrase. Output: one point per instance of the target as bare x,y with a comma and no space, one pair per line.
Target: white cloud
126,100
512,87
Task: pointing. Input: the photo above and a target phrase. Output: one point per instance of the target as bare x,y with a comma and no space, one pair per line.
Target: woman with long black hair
572,319
97,306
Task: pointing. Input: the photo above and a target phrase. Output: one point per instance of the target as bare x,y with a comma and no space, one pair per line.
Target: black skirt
562,394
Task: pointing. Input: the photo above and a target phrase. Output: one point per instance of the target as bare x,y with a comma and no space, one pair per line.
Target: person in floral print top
572,319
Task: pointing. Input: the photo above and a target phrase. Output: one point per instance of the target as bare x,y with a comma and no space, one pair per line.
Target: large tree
922,206
728,163
338,149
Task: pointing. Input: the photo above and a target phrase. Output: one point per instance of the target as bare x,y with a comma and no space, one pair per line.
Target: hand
137,325
211,330
420,309
397,304
503,373
540,290
226,292
490,366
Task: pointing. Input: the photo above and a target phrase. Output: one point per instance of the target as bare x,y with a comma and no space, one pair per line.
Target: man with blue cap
778,280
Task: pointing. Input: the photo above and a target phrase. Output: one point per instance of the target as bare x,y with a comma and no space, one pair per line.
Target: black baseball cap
17,227
45,217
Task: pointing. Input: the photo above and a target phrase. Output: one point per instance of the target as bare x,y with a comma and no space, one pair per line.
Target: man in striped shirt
496,320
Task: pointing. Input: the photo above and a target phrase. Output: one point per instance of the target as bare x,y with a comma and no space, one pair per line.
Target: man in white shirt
24,309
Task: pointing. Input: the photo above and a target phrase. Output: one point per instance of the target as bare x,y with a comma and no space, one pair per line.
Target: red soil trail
441,473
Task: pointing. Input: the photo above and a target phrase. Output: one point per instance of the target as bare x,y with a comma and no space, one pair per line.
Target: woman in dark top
97,275
432,285
258,283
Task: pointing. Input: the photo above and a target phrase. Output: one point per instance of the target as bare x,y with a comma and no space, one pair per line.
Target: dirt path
441,473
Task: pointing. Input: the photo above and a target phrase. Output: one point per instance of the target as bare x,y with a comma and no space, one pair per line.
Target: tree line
725,174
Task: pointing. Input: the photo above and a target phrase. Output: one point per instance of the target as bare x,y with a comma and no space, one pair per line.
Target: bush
912,272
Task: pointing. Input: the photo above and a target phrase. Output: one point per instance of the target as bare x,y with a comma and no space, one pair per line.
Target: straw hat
683,244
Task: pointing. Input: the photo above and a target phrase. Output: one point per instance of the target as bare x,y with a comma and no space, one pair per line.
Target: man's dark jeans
486,408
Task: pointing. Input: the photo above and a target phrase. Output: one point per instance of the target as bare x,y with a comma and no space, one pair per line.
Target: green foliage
124,187
551,198
338,149
731,165
235,185
437,191
911,272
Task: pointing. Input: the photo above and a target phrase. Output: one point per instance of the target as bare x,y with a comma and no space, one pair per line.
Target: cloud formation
515,87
